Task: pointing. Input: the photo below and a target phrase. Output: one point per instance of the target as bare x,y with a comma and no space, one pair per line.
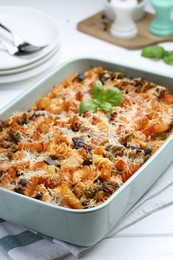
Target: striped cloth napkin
19,243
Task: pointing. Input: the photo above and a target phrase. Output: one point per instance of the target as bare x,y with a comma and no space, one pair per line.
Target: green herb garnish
103,99
158,52
168,57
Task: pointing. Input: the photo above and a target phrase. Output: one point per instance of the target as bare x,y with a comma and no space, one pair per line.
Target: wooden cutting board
98,26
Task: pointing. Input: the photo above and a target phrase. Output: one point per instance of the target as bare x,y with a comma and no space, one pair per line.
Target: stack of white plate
35,27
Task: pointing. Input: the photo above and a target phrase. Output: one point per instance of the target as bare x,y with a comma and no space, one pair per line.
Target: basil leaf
98,91
168,58
105,106
154,51
104,99
86,105
114,96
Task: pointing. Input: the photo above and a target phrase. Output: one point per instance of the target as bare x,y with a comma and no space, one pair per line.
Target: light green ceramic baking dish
82,227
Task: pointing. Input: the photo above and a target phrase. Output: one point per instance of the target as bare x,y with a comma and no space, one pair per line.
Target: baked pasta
59,155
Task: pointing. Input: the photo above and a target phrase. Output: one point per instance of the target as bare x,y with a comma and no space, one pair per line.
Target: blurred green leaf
114,96
98,91
106,106
168,58
86,105
104,99
153,51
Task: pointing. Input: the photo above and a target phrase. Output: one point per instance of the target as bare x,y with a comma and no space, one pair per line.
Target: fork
22,46
13,50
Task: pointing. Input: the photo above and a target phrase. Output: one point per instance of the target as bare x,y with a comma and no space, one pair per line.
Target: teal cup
162,25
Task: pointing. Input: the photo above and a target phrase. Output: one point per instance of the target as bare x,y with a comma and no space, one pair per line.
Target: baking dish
82,227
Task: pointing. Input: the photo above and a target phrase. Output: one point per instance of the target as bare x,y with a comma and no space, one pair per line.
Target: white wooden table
152,237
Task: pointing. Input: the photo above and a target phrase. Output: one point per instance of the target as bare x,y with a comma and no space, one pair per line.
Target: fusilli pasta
76,160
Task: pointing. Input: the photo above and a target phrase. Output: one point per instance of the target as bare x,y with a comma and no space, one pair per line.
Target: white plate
33,26
29,66
51,59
